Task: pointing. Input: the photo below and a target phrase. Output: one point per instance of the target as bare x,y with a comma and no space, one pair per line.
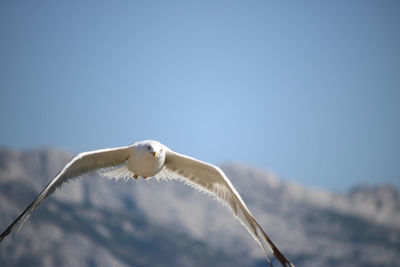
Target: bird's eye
148,147
161,150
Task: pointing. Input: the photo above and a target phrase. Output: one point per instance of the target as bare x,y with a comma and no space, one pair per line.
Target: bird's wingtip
24,216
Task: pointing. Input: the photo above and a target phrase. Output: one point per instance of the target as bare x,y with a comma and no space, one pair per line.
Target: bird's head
156,149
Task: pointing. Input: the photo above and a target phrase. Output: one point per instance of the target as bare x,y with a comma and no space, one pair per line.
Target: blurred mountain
96,222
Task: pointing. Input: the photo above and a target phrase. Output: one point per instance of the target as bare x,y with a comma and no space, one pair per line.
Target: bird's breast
144,164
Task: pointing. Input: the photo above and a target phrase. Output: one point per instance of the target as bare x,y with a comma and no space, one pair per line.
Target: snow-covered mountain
97,222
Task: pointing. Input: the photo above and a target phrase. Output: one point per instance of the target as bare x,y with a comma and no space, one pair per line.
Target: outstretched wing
212,180
81,164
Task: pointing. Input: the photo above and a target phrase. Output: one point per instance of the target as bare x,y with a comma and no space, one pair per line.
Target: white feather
211,180
117,173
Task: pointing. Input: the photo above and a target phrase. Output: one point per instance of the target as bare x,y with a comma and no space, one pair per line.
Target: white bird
151,159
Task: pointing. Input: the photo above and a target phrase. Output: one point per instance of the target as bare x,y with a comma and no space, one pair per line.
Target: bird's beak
154,154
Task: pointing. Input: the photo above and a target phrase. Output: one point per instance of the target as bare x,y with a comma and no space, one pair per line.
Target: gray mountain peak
96,222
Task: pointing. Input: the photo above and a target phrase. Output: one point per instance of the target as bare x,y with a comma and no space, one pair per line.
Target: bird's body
151,159
145,164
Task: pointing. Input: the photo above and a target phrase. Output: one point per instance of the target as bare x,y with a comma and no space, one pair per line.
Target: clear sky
307,89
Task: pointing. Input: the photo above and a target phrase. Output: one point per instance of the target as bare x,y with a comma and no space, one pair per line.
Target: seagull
151,159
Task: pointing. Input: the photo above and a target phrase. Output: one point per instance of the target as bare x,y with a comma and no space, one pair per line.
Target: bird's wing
81,164
210,179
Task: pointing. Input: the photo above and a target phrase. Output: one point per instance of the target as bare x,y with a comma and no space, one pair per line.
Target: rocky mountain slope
97,222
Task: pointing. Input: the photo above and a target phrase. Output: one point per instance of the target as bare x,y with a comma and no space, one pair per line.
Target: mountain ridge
311,226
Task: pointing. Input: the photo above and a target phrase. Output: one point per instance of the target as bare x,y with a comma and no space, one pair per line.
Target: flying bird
151,159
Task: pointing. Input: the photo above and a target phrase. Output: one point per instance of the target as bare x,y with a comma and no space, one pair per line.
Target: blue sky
309,90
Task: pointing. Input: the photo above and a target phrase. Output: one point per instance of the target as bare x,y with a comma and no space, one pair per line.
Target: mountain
96,222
